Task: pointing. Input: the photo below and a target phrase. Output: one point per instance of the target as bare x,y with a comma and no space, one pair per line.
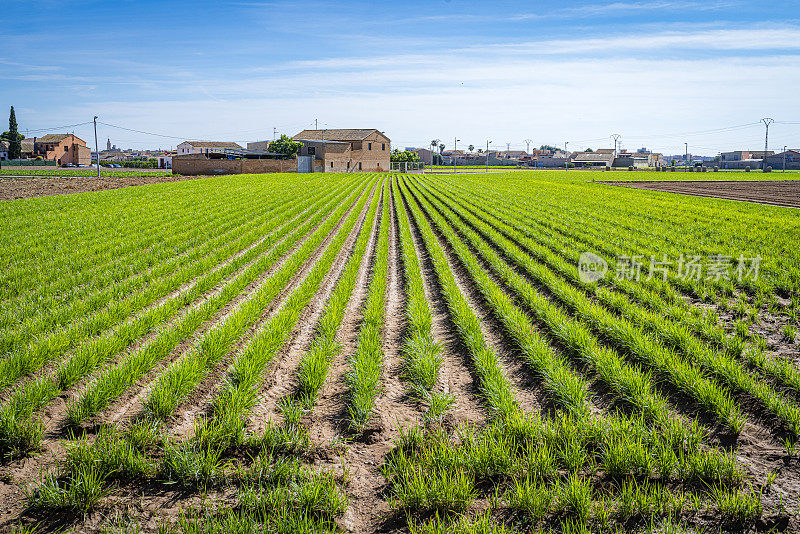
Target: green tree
14,138
471,147
285,145
588,150
441,148
551,148
406,155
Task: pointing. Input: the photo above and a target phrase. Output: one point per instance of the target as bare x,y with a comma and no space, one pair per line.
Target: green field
420,353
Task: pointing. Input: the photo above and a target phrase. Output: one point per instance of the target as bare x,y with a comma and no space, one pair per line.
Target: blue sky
660,73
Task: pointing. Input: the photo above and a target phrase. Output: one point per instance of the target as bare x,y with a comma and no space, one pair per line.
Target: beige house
345,150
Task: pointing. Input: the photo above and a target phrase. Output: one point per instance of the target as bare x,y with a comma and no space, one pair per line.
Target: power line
141,131
58,127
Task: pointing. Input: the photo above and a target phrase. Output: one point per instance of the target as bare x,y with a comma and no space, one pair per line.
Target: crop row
234,238
183,375
635,323
366,363
19,432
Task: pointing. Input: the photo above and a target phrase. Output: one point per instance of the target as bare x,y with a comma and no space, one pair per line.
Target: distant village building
789,158
259,146
512,154
742,155
425,155
599,158
165,159
3,150
344,150
638,159
208,147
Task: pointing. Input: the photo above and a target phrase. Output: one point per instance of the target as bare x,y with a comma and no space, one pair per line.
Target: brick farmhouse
346,150
61,148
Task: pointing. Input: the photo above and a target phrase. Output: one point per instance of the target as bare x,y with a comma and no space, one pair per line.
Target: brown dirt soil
14,188
775,193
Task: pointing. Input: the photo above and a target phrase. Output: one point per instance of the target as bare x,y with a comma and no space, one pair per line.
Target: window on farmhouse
312,151
383,146
359,165
66,149
369,146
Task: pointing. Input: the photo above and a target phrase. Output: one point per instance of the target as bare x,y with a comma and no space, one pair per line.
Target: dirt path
775,193
12,188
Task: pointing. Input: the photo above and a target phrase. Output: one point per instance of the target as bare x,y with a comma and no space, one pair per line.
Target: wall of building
198,164
260,146
71,149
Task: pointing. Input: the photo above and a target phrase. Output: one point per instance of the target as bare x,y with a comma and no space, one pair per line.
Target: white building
3,150
207,147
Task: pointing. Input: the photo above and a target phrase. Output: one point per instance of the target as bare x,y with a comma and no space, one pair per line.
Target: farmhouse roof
213,144
53,138
27,145
591,157
337,134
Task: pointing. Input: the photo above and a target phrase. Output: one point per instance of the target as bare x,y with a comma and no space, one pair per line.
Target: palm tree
480,151
434,144
471,147
441,148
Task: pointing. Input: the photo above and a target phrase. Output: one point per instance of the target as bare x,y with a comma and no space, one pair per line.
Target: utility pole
615,137
528,144
508,148
487,155
767,121
96,147
685,156
566,167
316,124
455,149
274,132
